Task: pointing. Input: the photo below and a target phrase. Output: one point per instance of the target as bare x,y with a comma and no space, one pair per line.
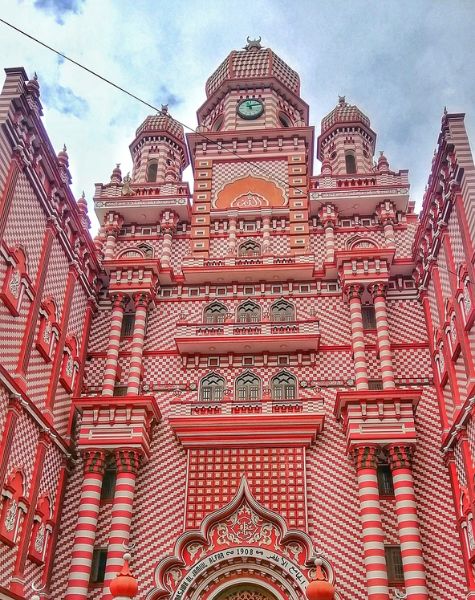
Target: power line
141,100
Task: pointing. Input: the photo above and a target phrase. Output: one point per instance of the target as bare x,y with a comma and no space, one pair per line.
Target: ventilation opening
350,162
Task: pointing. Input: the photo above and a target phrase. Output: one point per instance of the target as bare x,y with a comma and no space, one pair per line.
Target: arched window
13,504
284,386
146,250
282,311
212,388
152,168
248,387
218,123
350,162
249,312
42,528
249,248
48,331
16,280
215,313
70,365
284,120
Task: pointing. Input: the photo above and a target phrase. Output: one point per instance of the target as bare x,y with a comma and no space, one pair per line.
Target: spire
383,163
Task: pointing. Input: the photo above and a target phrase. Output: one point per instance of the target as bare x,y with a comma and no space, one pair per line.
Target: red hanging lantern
125,585
319,588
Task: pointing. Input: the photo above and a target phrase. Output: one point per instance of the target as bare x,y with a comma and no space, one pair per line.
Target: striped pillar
128,462
112,231
85,535
370,513
388,229
135,371
329,242
110,370
167,247
378,291
232,235
408,524
266,246
354,292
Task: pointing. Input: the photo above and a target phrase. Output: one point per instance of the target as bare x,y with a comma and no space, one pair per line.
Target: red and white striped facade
248,359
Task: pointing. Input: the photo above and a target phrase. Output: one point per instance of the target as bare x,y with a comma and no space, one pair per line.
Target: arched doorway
245,592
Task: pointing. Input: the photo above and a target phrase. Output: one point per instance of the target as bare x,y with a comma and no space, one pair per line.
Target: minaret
346,140
159,151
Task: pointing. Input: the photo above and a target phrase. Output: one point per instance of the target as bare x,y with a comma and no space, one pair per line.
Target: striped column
112,231
354,292
110,370
232,234
329,242
378,291
167,246
266,246
85,535
370,513
400,458
135,370
128,462
388,229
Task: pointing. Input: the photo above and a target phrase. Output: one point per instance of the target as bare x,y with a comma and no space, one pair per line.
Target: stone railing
236,261
238,329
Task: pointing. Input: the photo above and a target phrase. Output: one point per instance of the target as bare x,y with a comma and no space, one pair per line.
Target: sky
400,61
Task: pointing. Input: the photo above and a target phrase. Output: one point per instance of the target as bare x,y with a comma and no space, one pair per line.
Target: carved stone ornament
242,535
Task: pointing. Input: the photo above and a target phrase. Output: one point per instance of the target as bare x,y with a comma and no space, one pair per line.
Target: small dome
253,62
63,157
125,585
162,121
344,113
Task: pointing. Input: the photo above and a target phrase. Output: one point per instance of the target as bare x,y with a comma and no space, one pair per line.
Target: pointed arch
212,388
152,170
214,313
248,387
282,310
249,248
249,312
284,386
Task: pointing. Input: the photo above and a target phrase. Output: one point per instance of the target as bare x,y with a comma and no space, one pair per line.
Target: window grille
120,390
385,480
369,317
394,564
249,248
375,384
284,387
128,322
98,566
282,311
248,387
215,313
249,312
212,388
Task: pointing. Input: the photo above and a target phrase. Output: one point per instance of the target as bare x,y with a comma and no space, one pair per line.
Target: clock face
250,108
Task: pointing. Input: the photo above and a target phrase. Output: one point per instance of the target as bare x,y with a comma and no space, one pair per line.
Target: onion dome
63,157
162,121
33,86
125,585
253,62
116,176
383,163
319,588
344,113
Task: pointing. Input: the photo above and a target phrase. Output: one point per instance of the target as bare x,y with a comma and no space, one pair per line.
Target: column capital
364,457
94,460
128,460
354,290
142,299
378,289
400,456
119,300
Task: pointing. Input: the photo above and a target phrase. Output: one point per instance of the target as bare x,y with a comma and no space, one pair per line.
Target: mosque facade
263,389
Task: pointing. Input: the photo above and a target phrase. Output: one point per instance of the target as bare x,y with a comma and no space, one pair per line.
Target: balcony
230,422
232,268
247,337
